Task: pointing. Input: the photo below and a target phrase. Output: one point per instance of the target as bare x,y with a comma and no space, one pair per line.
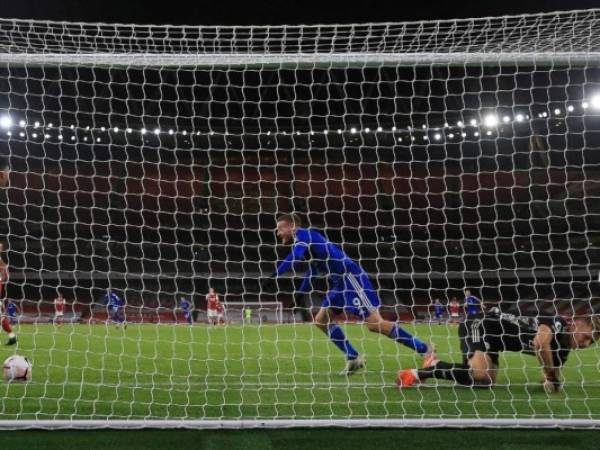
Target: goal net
152,162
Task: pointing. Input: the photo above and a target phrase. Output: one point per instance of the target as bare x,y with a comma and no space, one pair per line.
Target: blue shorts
352,293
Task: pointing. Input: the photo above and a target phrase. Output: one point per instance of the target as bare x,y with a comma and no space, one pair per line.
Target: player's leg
324,320
362,300
12,337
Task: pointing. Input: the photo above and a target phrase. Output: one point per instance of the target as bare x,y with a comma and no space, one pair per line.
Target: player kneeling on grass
484,336
350,290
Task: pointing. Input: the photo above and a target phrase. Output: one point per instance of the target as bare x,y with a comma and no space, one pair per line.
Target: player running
472,304
12,337
484,336
115,307
59,309
438,311
186,306
12,310
350,290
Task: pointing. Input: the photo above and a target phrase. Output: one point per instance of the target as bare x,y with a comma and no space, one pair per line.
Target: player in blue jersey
115,307
438,310
11,311
472,304
350,290
186,306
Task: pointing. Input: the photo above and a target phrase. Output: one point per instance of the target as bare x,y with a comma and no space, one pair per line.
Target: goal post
152,162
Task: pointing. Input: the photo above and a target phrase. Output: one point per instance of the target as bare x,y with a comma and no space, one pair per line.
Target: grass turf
264,372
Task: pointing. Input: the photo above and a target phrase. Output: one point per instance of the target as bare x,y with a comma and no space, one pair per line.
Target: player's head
211,291
287,225
584,330
467,292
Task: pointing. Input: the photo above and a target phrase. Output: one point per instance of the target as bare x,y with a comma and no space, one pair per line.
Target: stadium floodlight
451,135
6,122
459,124
519,117
490,121
34,135
21,134
157,131
394,128
60,137
9,133
367,130
143,131
585,105
473,122
570,108
171,132
36,124
557,112
463,134
476,134
595,101
47,136
353,130
506,119
116,129
379,129
103,129
22,123
128,130
50,125
98,140
437,136
544,114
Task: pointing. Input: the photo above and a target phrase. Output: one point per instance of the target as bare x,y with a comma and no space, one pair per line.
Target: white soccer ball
17,368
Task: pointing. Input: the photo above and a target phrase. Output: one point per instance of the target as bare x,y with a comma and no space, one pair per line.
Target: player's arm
296,255
542,345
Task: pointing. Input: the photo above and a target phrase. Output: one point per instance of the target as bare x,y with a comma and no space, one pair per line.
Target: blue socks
337,336
404,338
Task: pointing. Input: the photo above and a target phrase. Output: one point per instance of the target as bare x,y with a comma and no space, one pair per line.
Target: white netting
153,161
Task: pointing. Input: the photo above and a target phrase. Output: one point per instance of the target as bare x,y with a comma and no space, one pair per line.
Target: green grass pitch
267,372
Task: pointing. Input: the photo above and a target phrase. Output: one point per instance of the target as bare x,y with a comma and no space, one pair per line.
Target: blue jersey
113,301
473,305
439,309
11,309
185,305
350,287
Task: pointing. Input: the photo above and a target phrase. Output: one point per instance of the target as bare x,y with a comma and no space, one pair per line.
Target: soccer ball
17,368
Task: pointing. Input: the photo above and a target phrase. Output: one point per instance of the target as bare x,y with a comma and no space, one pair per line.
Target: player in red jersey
59,309
454,310
12,337
214,309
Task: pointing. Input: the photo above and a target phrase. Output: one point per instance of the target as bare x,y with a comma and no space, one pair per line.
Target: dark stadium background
492,215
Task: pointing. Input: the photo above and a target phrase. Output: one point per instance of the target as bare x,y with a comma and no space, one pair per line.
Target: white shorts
454,314
59,314
211,313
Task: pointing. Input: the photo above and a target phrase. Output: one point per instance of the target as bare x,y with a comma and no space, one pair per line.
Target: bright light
595,101
143,131
325,131
463,134
312,133
489,133
476,133
197,133
297,133
97,139
34,135
490,120
22,123
423,126
570,108
6,122
394,128
379,129
473,122
156,131
9,133
506,119
557,112
116,129
544,114
185,133
519,117
36,124
425,138
399,139
87,128
50,125
585,105
446,125
47,136
353,130
459,123
451,135
22,134
72,138
60,136
339,131
437,136
171,132
128,130
367,130
103,128
72,127
85,138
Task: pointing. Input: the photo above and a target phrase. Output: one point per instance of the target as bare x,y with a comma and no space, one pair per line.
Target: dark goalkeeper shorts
472,334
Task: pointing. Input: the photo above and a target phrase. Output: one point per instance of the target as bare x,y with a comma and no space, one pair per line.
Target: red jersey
454,307
3,276
212,302
59,304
